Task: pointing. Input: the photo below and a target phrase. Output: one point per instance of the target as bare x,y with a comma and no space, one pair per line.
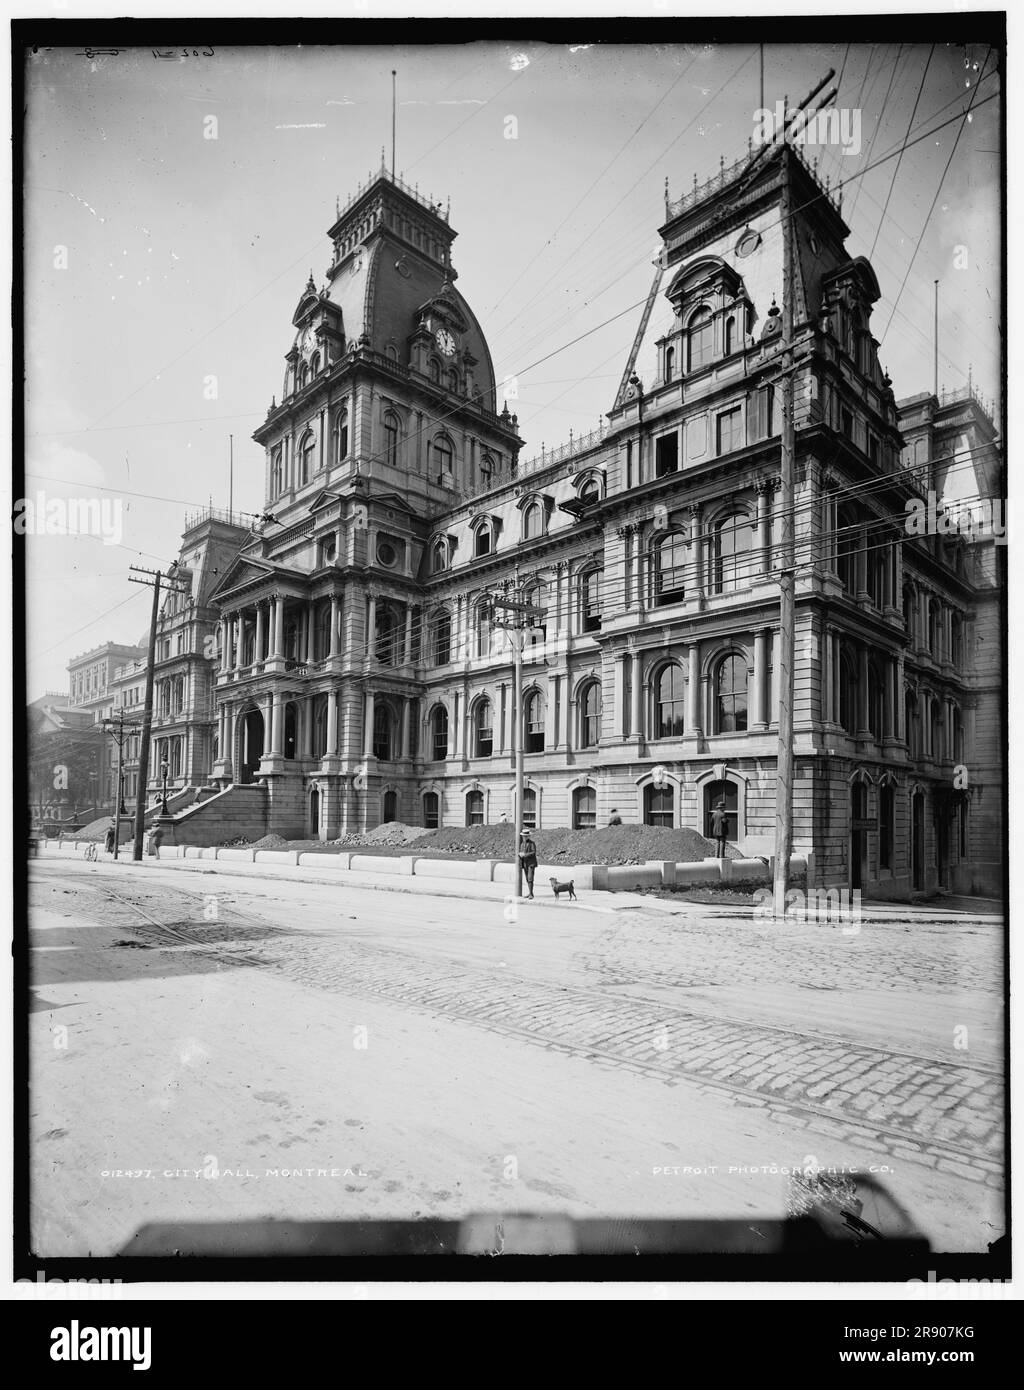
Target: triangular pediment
243,570
324,499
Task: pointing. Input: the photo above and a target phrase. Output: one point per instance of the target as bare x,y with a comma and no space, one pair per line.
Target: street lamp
163,774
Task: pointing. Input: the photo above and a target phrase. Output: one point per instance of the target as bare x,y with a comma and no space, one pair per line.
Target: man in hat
720,826
528,859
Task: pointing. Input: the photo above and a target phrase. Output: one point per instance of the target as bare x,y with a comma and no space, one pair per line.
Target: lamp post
163,776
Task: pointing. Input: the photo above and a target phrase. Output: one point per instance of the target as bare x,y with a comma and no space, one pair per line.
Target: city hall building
360,674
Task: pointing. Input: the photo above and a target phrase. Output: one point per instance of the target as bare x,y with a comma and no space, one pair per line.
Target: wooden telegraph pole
519,618
147,711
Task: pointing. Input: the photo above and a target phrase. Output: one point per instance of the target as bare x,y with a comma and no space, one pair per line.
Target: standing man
528,859
108,839
720,826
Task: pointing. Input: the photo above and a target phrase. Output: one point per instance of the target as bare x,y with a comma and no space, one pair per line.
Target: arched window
700,339
291,728
483,629
958,736
590,601
303,376
715,794
847,546
439,555
590,715
847,694
442,639
389,810
533,521
731,544
453,380
482,539
483,730
670,364
391,439
307,451
533,723
670,569
876,702
584,808
322,632
669,704
730,335
444,456
935,628
382,733
658,806
486,470
590,491
956,629
912,724
474,808
908,610
386,637
276,473
730,711
886,824
877,568
529,809
314,366
435,371
391,352
320,727
938,732
439,734
341,436
431,810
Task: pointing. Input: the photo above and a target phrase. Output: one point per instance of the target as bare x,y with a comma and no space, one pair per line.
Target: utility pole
116,730
147,712
231,477
936,343
787,576
520,617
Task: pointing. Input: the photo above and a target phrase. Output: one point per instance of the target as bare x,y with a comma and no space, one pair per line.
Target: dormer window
533,521
391,426
700,340
483,538
440,556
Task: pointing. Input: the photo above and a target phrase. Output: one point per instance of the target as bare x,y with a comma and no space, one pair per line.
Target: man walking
720,826
528,859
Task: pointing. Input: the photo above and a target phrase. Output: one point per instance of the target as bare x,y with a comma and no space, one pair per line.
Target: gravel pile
614,844
270,842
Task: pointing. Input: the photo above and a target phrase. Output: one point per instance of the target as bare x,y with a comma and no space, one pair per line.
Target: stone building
362,677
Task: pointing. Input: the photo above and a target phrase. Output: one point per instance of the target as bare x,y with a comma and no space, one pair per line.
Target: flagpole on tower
394,106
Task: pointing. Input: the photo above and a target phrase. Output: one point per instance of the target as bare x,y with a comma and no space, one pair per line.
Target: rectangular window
729,436
846,422
666,455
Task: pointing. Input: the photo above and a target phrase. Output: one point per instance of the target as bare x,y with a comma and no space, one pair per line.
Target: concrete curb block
277,856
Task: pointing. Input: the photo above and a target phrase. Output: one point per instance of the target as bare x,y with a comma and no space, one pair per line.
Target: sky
163,266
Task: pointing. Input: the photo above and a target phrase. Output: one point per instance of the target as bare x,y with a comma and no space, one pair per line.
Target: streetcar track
496,1011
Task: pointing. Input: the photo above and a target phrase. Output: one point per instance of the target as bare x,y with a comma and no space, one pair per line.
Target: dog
560,888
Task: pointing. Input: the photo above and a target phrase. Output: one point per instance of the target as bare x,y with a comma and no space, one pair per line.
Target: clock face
445,341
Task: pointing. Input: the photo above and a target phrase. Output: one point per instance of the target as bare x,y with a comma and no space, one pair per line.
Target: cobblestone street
884,1042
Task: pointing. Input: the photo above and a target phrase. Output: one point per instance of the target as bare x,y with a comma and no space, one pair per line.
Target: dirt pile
270,842
614,844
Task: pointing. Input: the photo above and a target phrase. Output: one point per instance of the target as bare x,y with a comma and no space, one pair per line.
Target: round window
386,553
749,242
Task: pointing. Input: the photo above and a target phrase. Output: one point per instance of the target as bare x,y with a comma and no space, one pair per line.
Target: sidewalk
986,911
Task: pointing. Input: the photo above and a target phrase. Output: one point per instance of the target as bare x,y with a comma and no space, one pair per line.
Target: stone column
757,712
637,731
696,550
773,698
693,690
828,676
225,661
405,728
278,649
237,639
407,655
454,726
368,726
901,708
763,536
551,712
332,722
277,735
333,647
261,636
862,692
619,693
889,726
304,736
371,626
310,632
